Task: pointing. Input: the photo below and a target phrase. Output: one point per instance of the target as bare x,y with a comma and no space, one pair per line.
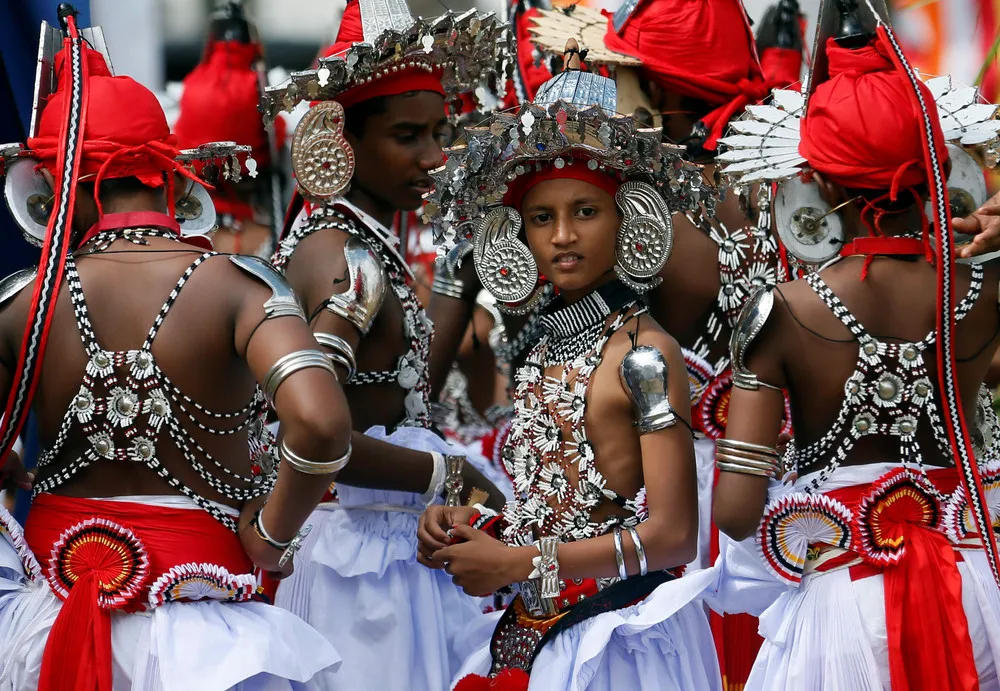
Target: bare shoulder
644,331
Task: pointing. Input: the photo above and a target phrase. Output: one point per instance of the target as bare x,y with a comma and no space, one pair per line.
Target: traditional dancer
882,534
219,103
157,492
361,154
603,512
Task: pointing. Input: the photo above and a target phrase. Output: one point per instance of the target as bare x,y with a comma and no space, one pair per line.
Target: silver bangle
342,354
744,470
453,482
436,486
546,566
620,554
291,363
640,551
304,465
450,288
736,444
760,464
258,526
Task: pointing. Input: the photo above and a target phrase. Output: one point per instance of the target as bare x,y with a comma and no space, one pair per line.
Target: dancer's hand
263,555
14,475
481,565
984,225
432,530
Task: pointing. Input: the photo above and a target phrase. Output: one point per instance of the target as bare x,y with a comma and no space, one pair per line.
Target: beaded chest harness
888,394
748,261
548,435
411,370
126,394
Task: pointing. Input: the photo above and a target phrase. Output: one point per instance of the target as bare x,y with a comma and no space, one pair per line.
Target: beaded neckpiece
547,453
411,370
126,402
889,392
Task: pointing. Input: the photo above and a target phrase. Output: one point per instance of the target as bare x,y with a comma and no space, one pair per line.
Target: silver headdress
573,117
471,49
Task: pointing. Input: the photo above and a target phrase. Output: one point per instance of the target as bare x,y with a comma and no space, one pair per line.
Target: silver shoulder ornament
751,320
644,376
15,283
362,300
283,301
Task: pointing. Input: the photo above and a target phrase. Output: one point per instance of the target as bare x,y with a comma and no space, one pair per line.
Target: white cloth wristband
436,486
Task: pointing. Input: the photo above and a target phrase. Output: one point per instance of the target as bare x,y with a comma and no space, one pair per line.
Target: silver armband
341,352
283,301
362,300
733,456
752,318
304,465
15,283
640,551
620,554
643,375
287,365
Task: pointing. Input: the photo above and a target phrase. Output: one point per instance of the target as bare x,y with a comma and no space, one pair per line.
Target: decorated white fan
765,144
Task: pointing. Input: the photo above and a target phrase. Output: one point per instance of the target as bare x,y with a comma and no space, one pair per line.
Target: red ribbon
929,644
78,653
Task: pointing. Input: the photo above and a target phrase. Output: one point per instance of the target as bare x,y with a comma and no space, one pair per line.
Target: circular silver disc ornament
29,199
194,210
966,186
804,225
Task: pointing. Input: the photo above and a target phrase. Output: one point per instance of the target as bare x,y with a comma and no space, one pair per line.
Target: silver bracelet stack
341,352
291,363
735,456
546,566
449,287
304,465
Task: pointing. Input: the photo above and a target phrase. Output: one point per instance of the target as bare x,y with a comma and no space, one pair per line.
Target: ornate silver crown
573,116
472,50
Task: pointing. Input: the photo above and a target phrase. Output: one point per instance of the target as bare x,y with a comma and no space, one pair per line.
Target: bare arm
451,317
754,417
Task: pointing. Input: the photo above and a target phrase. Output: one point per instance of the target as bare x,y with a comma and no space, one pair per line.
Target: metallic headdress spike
581,89
378,16
471,50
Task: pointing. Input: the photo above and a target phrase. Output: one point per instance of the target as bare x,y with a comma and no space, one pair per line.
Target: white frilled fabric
829,633
664,643
398,625
206,645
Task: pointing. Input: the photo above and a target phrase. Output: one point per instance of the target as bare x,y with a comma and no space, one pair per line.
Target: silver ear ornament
195,211
645,238
322,160
504,264
29,198
805,225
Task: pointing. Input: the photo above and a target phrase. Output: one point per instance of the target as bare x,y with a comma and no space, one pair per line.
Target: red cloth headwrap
220,98
126,133
699,48
862,129
577,170
393,84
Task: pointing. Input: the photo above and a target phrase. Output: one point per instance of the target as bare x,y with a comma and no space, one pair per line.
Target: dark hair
114,188
356,116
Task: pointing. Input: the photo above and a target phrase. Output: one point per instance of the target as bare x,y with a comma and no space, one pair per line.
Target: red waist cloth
100,556
897,530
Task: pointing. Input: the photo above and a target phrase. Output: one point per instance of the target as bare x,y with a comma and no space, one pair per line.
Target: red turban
532,75
862,128
518,189
699,48
124,129
220,99
392,84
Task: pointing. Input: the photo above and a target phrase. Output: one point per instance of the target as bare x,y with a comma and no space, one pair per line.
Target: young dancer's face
571,227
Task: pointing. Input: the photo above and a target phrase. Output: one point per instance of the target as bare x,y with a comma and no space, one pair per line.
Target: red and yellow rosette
888,511
192,581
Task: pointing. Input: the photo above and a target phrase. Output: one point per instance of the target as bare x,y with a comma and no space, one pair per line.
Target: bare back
807,349
196,347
